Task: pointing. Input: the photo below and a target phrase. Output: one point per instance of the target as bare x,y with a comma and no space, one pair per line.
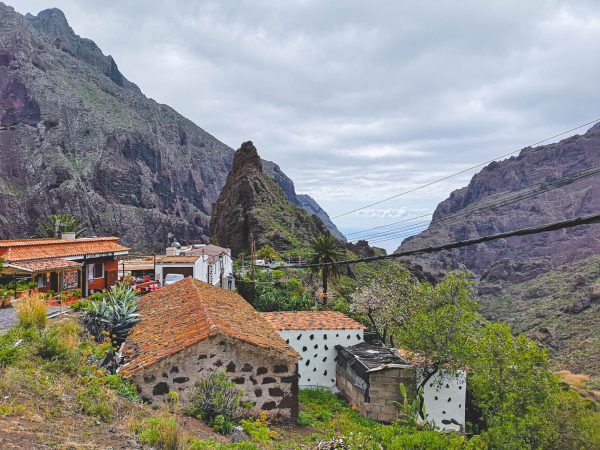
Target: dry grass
572,379
32,311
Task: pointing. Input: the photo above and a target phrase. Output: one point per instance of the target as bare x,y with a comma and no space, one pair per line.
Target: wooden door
111,278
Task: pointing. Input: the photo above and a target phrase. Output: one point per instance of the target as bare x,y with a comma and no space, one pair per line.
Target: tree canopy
58,223
326,250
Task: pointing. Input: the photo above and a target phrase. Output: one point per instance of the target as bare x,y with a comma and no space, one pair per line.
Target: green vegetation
32,312
537,308
113,314
272,291
63,223
326,250
216,400
510,382
267,253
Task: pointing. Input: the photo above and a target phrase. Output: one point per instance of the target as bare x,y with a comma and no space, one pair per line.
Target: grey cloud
357,100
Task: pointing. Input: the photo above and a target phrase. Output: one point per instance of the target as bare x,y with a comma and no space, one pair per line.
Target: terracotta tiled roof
30,249
210,250
189,311
312,320
178,259
46,265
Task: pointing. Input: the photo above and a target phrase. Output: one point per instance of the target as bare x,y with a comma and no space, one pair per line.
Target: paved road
8,317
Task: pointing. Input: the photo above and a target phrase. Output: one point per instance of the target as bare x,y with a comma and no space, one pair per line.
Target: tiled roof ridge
206,311
52,241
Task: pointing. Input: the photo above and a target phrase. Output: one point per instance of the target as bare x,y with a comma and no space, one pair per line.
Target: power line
570,223
493,202
463,171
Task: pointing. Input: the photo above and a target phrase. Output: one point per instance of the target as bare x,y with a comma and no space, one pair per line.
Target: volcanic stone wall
269,380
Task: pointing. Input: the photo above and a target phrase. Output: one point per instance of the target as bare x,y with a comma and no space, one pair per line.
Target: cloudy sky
355,100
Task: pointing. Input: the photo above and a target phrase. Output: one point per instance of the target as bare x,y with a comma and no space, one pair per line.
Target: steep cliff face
77,137
253,206
520,258
540,284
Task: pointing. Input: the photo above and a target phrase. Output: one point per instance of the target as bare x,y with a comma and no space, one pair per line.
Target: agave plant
408,412
113,315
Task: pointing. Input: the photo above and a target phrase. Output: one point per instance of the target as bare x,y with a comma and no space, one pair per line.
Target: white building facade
208,263
314,335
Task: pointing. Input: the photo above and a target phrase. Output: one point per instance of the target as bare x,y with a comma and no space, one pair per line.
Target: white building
314,335
208,263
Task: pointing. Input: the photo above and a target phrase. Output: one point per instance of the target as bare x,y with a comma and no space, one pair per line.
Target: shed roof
370,357
311,320
32,249
189,311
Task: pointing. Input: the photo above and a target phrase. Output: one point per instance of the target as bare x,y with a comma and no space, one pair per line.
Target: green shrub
258,429
32,312
211,444
162,433
94,401
410,439
214,395
81,304
304,420
122,386
223,425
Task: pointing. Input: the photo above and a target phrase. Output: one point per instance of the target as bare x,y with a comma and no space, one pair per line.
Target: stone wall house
315,335
369,377
191,327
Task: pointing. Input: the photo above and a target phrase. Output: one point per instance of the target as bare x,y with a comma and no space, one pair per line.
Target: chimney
171,251
68,235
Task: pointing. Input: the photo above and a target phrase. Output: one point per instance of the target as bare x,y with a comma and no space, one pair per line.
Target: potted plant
4,298
77,293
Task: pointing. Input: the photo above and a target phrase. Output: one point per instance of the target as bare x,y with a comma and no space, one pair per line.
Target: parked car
172,278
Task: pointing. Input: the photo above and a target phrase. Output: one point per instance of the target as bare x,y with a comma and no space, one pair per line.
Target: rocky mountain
514,275
77,137
253,206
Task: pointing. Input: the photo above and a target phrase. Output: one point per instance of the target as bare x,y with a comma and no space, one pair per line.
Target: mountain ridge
77,137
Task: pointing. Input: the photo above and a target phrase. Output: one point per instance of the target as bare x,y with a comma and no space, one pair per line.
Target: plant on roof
58,223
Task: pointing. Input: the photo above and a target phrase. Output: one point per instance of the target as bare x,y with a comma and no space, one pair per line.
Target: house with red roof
64,264
189,328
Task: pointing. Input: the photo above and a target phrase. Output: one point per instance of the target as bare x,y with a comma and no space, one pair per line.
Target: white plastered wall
318,354
444,397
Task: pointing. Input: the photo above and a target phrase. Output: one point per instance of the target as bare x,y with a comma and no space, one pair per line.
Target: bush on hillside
214,395
32,312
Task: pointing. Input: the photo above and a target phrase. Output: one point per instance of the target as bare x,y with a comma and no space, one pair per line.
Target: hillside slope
77,137
530,281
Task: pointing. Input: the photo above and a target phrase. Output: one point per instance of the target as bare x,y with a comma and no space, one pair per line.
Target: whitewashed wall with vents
444,397
318,354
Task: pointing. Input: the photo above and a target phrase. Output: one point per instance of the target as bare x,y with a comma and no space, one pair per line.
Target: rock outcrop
77,137
253,207
520,258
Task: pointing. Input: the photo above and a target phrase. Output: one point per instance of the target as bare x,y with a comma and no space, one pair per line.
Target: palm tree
324,251
267,253
64,223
